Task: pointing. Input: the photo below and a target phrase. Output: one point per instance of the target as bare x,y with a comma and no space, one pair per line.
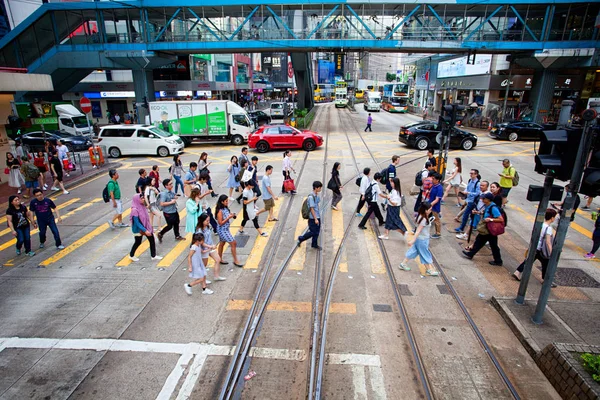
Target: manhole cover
404,290
443,289
382,308
241,240
575,277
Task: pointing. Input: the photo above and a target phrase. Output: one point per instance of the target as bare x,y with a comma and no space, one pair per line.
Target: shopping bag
289,185
6,171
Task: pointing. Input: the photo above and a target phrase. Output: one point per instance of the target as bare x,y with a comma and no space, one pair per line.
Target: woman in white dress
15,178
151,195
454,181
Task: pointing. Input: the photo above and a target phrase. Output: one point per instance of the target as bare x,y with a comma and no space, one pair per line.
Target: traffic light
558,152
447,118
590,185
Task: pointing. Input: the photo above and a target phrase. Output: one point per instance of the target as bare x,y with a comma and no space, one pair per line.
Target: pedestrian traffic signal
447,119
590,184
558,152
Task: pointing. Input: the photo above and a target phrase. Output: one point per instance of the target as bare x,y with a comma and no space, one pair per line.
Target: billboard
326,71
459,66
339,64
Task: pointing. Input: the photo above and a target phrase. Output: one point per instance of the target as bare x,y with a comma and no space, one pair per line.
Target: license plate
494,130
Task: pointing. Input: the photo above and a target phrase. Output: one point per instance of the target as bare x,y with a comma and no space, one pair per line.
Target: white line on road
377,383
359,382
175,375
194,374
368,360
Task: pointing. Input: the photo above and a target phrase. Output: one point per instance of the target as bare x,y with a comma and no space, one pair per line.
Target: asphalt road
87,323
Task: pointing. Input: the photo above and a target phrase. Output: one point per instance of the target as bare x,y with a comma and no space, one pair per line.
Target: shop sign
175,93
203,85
224,86
117,94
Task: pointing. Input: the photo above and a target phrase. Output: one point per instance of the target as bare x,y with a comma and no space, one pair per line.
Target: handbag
251,211
402,201
332,184
7,171
247,175
289,185
71,166
482,227
544,250
496,228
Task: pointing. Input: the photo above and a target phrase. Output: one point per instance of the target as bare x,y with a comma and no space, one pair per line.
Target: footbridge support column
301,65
143,84
542,92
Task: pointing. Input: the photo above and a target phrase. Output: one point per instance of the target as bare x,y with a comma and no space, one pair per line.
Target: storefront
465,90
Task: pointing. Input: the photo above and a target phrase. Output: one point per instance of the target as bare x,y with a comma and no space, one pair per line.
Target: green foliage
591,363
300,112
390,77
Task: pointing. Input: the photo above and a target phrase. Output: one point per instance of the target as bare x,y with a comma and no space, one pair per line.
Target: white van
122,140
72,121
279,110
372,101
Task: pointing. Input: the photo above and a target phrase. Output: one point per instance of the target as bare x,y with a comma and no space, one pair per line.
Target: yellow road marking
299,258
60,193
159,161
260,243
77,244
59,207
296,306
337,232
377,266
9,263
67,215
181,247
126,261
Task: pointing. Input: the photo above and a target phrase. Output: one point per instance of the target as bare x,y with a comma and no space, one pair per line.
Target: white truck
209,121
372,101
53,116
72,121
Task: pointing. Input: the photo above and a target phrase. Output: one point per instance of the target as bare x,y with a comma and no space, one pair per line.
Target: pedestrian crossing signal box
535,193
558,152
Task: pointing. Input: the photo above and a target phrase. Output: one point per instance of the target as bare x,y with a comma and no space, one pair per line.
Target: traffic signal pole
535,238
563,224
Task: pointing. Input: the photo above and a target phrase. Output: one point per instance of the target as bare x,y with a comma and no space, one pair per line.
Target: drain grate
382,308
241,240
443,289
404,290
575,278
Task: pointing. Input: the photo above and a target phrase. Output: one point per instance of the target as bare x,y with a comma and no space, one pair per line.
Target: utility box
535,193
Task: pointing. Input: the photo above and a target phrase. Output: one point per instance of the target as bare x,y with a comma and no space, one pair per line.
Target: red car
269,137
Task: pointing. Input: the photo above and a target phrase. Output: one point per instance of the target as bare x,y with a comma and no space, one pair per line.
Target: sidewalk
78,176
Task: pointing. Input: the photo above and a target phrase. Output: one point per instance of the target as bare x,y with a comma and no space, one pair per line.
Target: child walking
419,243
204,228
196,266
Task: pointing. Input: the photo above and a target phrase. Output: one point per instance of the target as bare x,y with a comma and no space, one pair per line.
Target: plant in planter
591,363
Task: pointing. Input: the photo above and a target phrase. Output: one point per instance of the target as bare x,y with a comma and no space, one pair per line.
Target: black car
259,118
36,141
517,130
423,134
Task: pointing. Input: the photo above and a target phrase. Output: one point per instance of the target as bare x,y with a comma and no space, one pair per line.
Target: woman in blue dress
224,217
234,171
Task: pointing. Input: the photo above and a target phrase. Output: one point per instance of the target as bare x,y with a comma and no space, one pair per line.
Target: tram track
417,354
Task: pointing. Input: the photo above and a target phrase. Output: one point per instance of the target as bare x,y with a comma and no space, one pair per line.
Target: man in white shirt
364,184
375,194
63,154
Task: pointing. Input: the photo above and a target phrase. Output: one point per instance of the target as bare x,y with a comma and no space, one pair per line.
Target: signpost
86,107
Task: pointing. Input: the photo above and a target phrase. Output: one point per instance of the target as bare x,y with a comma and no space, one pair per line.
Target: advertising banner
459,66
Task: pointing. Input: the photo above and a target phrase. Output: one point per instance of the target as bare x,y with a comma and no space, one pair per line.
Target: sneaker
459,205
298,243
436,236
383,237
231,199
207,291
208,282
65,192
157,257
54,188
499,264
19,191
123,225
179,238
404,267
188,288
134,259
241,233
159,236
462,236
67,174
41,245
30,254
431,273
583,208
317,247
45,187
359,215
60,247
458,230
220,278
18,252
334,208
589,256
467,255
264,234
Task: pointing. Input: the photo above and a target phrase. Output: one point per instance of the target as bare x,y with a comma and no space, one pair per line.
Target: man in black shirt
559,206
431,157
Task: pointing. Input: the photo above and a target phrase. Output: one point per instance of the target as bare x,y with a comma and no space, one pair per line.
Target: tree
390,77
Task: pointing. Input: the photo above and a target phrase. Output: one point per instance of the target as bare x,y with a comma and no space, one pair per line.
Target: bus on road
395,97
341,94
323,92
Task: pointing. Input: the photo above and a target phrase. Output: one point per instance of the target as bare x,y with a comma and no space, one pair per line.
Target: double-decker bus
323,92
341,94
395,97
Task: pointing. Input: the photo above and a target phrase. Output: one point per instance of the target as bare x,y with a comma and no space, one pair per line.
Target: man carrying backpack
314,217
364,183
114,194
372,193
31,173
507,179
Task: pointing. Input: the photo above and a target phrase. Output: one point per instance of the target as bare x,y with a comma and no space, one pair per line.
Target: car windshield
413,124
375,100
160,132
80,122
277,105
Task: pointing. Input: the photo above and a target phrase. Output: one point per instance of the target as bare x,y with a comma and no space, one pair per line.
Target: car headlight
170,141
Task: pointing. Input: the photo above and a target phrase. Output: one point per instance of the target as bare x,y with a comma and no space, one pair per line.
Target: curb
515,326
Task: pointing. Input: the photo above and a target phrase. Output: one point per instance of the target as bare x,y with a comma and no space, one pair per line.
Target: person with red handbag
491,215
288,182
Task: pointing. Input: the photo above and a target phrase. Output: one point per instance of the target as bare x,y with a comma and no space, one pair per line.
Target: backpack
515,180
31,172
419,178
427,184
306,208
358,180
369,192
385,175
105,194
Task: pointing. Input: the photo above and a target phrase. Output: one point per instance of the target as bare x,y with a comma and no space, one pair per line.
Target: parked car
279,110
423,134
269,137
517,130
36,141
139,139
259,118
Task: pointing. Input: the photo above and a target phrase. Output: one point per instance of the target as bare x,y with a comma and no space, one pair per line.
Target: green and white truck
216,121
59,116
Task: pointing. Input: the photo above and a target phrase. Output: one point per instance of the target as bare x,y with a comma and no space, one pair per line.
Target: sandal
224,262
274,219
238,265
516,277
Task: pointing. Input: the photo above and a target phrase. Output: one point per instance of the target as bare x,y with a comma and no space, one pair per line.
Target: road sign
85,104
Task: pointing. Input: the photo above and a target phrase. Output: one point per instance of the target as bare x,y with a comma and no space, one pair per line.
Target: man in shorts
506,180
114,192
267,194
31,174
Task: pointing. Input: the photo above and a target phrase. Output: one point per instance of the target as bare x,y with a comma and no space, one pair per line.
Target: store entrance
117,107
